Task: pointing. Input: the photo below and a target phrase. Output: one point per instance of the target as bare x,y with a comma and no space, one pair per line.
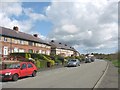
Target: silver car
73,62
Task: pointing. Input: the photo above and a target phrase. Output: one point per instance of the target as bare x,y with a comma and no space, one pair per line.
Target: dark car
87,60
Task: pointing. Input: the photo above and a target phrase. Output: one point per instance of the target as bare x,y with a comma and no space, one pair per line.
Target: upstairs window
5,39
21,42
0,38
30,43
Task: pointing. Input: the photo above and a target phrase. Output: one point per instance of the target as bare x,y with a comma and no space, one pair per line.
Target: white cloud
9,10
91,25
87,25
70,28
34,16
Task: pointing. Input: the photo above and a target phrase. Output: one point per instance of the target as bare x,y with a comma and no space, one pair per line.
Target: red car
17,70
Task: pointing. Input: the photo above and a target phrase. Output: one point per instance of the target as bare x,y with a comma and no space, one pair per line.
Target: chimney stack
35,35
52,40
60,43
15,28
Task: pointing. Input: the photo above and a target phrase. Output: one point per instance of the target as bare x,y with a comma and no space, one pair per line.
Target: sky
88,26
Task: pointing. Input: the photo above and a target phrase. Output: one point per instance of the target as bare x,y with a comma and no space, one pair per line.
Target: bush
52,62
38,64
43,63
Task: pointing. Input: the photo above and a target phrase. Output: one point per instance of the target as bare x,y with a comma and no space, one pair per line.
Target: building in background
58,48
12,41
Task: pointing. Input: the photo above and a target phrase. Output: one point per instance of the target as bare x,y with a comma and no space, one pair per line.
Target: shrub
43,63
38,64
52,62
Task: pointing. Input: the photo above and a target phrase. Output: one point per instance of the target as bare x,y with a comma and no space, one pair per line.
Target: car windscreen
72,60
14,66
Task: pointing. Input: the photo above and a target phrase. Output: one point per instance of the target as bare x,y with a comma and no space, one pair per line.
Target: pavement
110,80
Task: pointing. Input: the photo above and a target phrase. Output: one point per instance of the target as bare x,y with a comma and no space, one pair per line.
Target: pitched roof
61,46
20,35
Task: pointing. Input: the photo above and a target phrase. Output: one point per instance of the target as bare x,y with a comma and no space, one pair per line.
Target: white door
5,51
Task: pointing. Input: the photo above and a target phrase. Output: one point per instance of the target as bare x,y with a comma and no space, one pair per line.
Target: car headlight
9,73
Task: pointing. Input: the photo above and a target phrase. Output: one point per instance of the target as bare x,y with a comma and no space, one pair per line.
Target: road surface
84,76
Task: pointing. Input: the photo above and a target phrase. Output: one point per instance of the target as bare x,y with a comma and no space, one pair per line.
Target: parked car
73,62
92,59
87,60
17,70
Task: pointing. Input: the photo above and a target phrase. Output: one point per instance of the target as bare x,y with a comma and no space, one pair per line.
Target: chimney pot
52,40
15,28
35,35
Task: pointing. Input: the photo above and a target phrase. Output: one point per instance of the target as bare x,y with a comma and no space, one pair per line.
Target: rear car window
30,65
24,66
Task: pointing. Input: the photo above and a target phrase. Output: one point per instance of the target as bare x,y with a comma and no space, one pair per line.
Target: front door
5,50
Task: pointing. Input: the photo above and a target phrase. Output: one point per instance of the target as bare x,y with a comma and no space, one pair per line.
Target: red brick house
17,41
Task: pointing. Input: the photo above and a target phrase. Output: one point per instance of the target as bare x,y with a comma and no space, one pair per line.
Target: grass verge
116,63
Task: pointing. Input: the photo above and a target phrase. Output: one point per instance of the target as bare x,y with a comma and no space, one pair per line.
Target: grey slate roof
20,35
61,46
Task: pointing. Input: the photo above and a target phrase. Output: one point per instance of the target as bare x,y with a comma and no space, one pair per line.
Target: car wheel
34,74
15,77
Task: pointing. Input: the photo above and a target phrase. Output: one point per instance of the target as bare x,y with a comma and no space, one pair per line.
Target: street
84,76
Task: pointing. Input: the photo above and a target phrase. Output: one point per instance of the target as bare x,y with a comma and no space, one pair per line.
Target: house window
0,38
30,43
37,51
40,51
16,49
15,41
48,52
30,51
0,50
5,39
21,50
43,52
21,42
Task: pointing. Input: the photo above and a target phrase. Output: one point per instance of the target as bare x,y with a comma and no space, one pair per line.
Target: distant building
58,48
12,41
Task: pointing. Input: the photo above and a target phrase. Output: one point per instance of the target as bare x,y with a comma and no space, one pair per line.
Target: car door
30,68
23,70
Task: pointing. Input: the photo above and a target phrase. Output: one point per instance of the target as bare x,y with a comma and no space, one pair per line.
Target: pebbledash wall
13,40
62,49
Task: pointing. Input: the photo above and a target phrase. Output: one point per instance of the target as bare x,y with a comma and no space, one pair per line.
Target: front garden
41,60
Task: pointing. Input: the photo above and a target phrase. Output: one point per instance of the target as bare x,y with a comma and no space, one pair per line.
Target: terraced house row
13,40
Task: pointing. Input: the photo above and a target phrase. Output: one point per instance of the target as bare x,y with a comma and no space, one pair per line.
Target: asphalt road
84,76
